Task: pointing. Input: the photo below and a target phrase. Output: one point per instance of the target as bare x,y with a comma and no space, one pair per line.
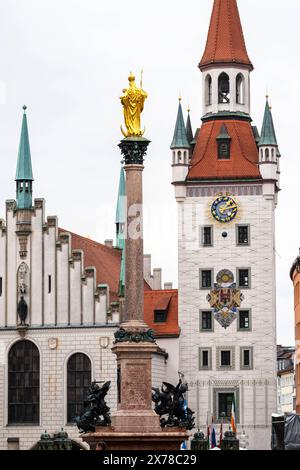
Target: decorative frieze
212,191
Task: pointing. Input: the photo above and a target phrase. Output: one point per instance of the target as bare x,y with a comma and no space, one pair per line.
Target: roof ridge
241,147
230,31
92,242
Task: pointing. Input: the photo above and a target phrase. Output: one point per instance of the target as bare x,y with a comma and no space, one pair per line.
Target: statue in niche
22,310
23,278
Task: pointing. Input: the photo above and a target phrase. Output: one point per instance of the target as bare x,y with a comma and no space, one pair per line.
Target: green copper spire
24,177
268,135
180,139
120,228
189,130
120,213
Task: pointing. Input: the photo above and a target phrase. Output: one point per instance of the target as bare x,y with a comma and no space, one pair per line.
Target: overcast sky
68,61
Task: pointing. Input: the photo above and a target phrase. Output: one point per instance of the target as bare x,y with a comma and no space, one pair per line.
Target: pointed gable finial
24,176
225,40
268,134
189,129
24,168
180,140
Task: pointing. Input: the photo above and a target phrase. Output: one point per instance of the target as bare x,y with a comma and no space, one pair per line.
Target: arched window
273,154
24,383
224,88
261,154
79,378
174,155
208,90
240,89
267,154
179,156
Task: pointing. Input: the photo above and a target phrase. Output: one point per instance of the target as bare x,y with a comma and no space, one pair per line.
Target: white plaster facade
67,314
255,389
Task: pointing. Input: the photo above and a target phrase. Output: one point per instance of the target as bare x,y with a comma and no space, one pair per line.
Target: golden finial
133,105
189,109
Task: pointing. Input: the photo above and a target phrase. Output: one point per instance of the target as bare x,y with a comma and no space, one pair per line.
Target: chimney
168,286
157,278
147,270
109,243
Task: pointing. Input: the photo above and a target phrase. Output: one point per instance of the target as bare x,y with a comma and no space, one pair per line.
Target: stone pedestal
135,413
112,440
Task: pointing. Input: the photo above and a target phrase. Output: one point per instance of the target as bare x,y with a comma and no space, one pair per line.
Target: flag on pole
233,418
208,434
221,434
213,434
183,446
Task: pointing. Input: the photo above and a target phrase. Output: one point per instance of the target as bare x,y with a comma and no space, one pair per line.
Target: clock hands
227,207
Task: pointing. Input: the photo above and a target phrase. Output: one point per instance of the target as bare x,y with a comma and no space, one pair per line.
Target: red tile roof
107,262
160,300
243,162
225,40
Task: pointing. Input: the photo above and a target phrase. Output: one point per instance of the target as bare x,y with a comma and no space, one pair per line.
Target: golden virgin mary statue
133,104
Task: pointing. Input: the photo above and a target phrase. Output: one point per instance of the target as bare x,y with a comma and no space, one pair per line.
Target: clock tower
226,182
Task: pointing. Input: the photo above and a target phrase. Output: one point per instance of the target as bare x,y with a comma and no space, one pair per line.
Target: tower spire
189,129
24,176
225,40
180,140
268,135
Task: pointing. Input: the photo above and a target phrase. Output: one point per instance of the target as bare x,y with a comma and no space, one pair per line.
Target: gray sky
69,60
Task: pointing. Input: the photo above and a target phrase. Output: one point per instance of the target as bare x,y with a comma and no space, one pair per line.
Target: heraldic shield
225,298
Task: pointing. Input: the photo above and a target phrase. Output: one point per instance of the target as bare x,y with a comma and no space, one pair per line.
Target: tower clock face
224,209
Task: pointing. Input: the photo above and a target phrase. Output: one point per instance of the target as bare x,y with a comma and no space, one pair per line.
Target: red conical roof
225,41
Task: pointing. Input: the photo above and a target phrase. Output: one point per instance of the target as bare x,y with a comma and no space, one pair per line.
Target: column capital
134,150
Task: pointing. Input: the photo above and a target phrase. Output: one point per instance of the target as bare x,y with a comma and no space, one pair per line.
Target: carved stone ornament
134,150
52,343
123,336
23,239
225,299
23,278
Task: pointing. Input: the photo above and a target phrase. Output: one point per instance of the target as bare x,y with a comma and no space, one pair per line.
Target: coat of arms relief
225,298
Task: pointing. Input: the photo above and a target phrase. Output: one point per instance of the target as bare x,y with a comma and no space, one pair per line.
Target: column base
112,440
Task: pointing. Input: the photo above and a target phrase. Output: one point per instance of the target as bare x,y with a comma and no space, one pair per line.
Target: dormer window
223,141
160,316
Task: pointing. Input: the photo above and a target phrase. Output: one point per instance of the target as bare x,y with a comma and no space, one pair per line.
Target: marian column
135,425
135,343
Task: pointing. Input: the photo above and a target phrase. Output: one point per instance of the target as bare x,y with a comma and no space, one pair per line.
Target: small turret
189,133
24,177
180,149
268,150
